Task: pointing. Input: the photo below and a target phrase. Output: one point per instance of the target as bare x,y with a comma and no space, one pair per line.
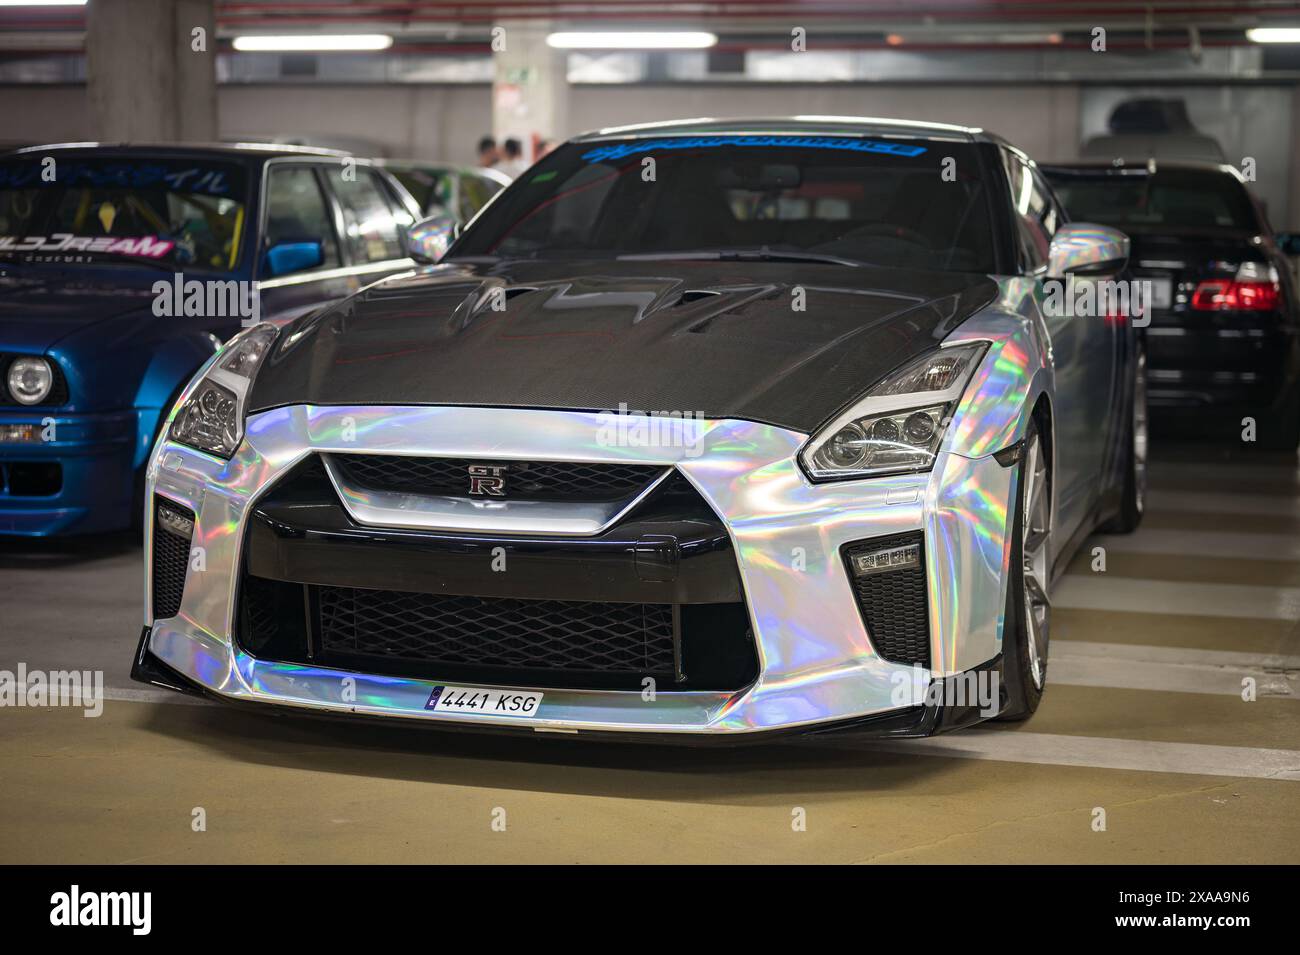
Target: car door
374,217
297,211
1083,354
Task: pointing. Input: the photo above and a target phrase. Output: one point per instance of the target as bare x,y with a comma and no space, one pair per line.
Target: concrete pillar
530,93
150,77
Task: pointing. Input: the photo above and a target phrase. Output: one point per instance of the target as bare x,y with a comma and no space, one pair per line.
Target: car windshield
173,214
1178,198
911,203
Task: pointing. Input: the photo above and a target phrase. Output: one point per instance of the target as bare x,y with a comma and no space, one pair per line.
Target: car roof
425,165
788,124
231,150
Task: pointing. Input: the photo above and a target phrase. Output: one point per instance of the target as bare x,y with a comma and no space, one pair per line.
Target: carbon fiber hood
782,343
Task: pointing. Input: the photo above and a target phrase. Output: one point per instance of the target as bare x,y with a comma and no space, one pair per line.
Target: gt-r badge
487,479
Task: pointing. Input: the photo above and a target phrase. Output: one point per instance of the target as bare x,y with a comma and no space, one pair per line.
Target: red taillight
1227,295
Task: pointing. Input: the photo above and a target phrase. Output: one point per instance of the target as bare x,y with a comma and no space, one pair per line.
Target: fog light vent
888,578
173,531
879,561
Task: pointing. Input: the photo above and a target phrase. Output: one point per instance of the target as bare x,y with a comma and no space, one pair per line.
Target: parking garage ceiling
440,26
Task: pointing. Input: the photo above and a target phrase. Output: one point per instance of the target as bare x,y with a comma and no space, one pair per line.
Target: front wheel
1133,495
1281,431
1029,611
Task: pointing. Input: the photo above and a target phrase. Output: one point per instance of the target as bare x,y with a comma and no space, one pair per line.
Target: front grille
524,480
894,603
497,631
171,557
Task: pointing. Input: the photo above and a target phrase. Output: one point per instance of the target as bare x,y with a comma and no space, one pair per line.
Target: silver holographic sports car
700,431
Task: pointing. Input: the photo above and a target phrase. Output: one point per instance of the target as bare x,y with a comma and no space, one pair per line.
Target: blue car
123,268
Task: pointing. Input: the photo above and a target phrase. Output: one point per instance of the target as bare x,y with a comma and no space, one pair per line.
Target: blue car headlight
30,379
211,418
898,426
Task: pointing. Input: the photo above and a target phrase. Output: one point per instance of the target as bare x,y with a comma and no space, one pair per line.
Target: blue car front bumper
65,474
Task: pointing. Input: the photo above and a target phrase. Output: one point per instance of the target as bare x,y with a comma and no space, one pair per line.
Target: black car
1223,326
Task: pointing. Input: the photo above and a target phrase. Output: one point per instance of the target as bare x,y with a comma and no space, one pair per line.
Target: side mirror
287,257
1083,248
429,239
1288,242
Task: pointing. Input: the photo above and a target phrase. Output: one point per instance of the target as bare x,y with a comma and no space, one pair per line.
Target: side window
1034,212
1053,217
474,194
371,220
296,211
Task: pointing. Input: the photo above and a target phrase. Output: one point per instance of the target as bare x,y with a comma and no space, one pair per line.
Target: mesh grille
524,480
498,631
261,620
171,558
893,603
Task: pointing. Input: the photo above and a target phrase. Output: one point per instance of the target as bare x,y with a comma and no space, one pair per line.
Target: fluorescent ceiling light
42,3
631,41
310,42
1274,34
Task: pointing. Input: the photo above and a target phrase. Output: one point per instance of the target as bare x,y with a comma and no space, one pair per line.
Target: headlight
898,426
212,417
30,380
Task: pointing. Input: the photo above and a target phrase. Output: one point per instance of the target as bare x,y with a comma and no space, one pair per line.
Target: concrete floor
1143,719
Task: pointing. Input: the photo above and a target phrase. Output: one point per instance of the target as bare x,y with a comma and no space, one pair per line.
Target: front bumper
817,666
90,486
1229,363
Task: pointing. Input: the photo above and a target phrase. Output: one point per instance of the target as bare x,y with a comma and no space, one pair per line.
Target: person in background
514,162
487,152
544,146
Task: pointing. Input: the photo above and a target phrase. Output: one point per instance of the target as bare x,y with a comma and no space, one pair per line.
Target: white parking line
1178,656
1173,669
1140,595
1205,502
1010,746
149,695
1213,544
1103,753
1213,473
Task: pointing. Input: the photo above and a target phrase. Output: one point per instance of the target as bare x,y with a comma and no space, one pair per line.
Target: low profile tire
1281,431
1028,612
1133,496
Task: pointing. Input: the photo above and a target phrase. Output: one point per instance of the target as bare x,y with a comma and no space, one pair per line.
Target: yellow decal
107,213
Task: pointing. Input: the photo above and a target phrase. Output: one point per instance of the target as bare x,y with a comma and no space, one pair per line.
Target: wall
1247,121
441,122
445,121
406,121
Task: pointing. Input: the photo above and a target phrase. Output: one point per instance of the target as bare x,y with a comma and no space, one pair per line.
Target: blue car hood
38,310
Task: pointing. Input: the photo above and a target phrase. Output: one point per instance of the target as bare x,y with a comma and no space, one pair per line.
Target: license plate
1162,293
469,699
